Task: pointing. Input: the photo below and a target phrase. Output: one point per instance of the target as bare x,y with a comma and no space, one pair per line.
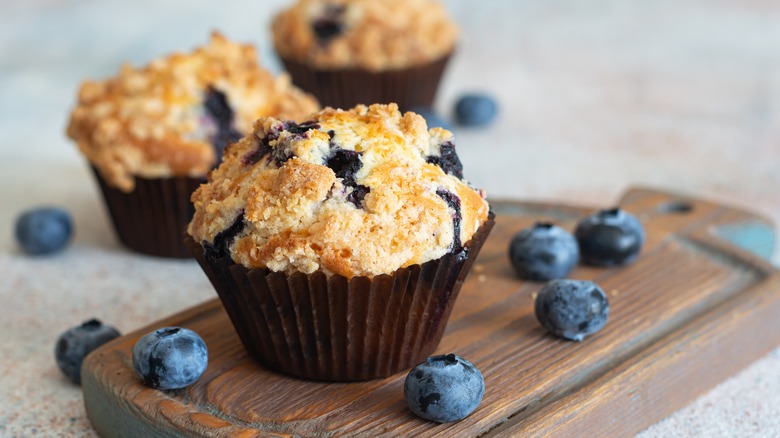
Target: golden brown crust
151,122
373,35
299,208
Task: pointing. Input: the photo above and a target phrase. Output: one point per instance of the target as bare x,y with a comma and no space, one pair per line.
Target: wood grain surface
692,310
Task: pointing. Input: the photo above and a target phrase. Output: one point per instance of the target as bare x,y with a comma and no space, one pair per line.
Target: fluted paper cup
338,329
151,218
344,88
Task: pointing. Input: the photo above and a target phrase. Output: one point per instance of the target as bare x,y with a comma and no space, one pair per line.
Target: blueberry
453,202
572,309
447,160
543,252
170,358
43,230
432,118
609,238
74,345
218,107
345,164
475,110
444,388
222,241
330,24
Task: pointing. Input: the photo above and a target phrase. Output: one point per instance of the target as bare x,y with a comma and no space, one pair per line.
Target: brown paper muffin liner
151,218
410,87
334,329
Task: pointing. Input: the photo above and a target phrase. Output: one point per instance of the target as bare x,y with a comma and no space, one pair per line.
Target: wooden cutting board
698,305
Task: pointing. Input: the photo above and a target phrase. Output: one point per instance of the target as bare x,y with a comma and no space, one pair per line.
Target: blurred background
595,96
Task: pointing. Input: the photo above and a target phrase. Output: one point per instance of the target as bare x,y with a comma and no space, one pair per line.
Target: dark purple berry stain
221,245
218,107
448,160
345,164
279,154
357,195
330,24
453,202
253,157
300,129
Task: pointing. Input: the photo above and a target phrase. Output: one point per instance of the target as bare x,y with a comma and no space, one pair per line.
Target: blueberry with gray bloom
170,358
609,238
77,342
543,252
43,230
572,309
444,388
475,110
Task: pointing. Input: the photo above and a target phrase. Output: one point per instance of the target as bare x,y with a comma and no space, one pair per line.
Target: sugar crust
297,215
378,35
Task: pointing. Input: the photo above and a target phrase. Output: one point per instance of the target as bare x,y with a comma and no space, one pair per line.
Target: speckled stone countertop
595,96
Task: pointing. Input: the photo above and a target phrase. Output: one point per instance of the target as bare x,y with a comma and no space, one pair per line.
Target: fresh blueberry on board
432,119
74,345
43,230
475,110
572,309
170,358
444,388
609,238
543,252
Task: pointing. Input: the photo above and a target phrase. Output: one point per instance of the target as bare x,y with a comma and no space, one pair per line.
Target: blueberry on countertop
572,309
609,238
432,119
444,388
543,252
475,110
43,230
74,345
170,358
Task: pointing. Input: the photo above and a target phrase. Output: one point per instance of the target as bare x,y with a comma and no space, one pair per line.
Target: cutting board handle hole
676,207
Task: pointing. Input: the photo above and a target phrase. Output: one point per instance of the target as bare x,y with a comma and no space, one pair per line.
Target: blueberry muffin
151,134
348,52
358,220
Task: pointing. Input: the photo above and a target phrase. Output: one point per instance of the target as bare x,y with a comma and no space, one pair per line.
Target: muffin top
174,116
356,193
368,34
